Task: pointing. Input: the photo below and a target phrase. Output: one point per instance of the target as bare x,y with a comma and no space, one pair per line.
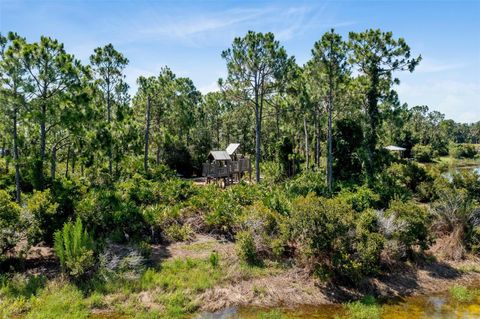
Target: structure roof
220,155
232,147
394,148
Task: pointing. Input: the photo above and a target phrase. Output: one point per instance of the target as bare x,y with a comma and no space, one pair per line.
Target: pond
439,306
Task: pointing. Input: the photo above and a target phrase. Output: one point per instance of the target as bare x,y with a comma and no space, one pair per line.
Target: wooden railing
215,170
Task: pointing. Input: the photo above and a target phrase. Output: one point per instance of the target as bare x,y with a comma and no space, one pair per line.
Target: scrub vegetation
103,210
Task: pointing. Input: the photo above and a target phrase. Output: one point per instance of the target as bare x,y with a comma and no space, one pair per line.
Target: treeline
59,116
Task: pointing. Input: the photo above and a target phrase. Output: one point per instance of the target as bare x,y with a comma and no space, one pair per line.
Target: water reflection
432,307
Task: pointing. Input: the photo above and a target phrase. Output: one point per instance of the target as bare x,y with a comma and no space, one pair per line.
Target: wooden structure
227,166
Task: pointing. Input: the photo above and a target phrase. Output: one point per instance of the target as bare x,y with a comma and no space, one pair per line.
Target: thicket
82,161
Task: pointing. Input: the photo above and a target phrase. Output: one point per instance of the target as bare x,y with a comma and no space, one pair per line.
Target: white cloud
458,100
211,87
431,66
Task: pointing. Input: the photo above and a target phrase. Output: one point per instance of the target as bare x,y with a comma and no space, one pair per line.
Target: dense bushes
423,153
462,150
407,224
9,223
332,240
458,220
402,181
44,216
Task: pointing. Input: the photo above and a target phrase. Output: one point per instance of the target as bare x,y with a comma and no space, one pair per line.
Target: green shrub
366,308
462,150
21,285
272,173
177,232
45,216
106,213
411,224
330,241
468,180
214,259
423,153
305,183
361,198
401,181
10,226
75,249
457,217
222,211
264,225
245,246
368,244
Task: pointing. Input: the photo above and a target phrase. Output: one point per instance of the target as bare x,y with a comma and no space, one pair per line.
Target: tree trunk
374,119
317,138
147,135
258,131
4,155
53,163
74,160
277,122
329,142
109,119
15,157
43,141
68,161
307,155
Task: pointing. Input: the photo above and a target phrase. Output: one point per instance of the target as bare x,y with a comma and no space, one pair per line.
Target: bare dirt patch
295,287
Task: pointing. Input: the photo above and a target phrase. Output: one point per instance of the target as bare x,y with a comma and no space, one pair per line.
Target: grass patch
367,308
272,314
58,300
462,294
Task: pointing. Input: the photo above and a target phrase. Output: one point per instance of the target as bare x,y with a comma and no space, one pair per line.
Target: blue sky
189,36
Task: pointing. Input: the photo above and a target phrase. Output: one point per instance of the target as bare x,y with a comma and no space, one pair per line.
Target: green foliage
59,300
361,198
21,286
462,294
110,211
214,259
468,180
367,308
75,249
177,156
457,216
401,181
411,225
9,223
272,314
246,249
347,142
305,183
423,153
462,150
176,232
322,229
264,226
45,216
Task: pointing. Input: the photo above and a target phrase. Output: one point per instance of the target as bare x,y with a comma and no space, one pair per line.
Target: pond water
433,307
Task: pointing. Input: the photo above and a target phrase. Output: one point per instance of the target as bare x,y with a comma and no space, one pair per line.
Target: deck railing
216,170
